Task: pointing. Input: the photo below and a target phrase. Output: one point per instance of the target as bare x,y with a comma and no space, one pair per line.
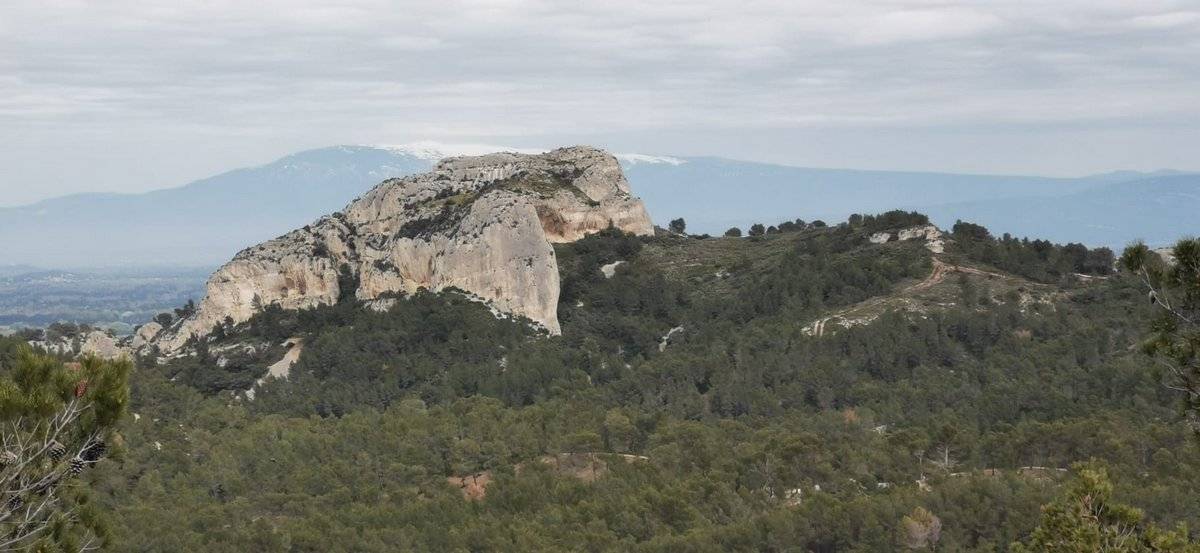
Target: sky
130,96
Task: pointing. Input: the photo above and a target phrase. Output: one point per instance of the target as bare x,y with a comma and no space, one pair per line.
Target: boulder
100,344
145,334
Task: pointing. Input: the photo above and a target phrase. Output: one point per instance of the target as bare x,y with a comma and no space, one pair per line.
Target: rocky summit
480,224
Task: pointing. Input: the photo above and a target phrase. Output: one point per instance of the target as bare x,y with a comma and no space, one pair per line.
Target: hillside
688,405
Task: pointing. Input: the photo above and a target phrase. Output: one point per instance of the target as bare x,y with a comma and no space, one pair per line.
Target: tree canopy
56,421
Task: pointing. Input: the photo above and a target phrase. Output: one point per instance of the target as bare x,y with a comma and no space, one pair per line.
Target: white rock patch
281,368
610,269
934,241
666,339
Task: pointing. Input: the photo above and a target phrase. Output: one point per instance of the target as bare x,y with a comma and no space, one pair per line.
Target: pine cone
77,466
95,451
56,450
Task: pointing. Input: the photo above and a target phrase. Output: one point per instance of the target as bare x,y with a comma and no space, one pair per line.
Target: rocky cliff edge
482,224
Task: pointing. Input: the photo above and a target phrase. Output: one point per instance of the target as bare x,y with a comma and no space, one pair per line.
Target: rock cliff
482,224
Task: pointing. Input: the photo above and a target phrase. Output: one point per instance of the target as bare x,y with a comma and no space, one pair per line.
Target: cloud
307,72
1166,20
925,25
231,60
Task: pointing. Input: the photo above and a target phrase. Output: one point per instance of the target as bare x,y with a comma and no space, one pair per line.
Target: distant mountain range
201,223
1157,209
207,221
713,194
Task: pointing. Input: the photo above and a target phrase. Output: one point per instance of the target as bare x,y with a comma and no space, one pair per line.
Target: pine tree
1174,291
55,422
1086,519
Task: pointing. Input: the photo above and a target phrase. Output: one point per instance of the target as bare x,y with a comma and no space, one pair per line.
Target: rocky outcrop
145,334
88,342
481,224
609,270
880,237
102,345
934,240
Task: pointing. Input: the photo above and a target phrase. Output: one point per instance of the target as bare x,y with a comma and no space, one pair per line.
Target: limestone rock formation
101,344
481,224
145,334
934,240
87,342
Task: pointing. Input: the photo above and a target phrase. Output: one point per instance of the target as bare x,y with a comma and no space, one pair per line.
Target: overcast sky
128,96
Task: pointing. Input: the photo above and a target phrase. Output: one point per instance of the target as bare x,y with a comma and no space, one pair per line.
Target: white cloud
924,25
304,73
1166,20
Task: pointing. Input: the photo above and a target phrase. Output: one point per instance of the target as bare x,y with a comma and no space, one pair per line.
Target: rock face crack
482,224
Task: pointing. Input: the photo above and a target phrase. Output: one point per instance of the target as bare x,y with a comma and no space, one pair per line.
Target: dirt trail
282,367
940,271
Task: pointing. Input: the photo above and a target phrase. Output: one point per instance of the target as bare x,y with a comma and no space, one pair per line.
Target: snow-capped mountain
629,160
433,151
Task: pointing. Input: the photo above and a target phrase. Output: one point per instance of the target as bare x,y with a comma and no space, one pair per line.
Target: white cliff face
481,224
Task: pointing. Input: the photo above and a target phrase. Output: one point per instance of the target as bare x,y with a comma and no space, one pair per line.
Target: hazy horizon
530,148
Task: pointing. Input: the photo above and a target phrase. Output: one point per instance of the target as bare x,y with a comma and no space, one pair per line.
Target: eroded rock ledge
482,224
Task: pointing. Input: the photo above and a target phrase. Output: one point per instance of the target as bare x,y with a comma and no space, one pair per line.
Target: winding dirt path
940,271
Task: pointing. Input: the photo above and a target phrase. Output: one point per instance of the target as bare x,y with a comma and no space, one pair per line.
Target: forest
687,406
